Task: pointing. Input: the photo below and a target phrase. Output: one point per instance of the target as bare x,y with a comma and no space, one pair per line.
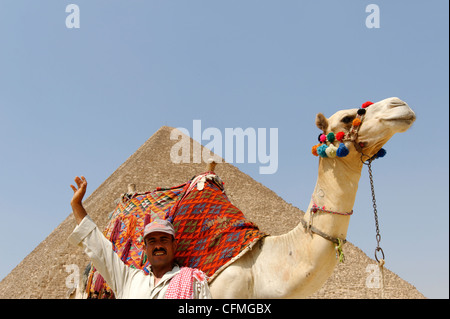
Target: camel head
366,129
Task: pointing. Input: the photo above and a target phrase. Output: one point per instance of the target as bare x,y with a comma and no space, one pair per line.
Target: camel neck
337,184
335,190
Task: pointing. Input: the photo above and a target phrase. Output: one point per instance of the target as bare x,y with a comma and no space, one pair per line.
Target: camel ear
321,122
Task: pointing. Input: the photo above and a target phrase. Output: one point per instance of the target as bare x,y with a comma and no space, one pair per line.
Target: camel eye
348,119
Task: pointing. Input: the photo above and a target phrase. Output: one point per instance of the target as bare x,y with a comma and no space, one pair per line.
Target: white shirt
125,281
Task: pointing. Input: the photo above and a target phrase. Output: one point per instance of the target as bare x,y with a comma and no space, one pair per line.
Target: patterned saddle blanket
211,232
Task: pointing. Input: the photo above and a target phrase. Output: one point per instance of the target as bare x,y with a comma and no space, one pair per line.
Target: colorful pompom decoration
342,150
331,151
366,104
321,150
381,153
314,150
356,122
318,138
340,136
330,137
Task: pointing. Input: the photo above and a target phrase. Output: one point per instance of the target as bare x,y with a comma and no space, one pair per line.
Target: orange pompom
314,149
356,122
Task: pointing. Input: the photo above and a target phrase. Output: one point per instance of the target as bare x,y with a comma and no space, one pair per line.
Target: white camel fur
297,264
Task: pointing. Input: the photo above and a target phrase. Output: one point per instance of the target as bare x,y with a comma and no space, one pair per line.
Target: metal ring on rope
369,159
382,253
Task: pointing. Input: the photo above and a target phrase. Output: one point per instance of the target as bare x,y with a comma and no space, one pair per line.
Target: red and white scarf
181,286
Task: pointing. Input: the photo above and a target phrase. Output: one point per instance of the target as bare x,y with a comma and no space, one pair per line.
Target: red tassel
126,250
116,231
99,283
146,219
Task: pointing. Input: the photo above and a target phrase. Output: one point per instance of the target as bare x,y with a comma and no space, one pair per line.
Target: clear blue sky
81,101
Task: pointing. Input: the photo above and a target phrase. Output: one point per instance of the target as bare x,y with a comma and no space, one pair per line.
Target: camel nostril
395,102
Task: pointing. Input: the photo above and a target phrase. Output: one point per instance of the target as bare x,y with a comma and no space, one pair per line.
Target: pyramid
43,273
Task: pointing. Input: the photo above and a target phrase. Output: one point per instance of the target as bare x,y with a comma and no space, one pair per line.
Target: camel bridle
327,149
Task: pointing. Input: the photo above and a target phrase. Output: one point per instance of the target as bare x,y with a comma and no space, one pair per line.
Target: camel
297,264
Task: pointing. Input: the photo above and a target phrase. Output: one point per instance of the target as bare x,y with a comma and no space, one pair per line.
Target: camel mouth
408,118
403,114
402,122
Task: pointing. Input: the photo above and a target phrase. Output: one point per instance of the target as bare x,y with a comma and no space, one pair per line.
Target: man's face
160,248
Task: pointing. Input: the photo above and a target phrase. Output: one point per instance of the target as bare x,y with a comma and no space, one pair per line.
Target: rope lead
340,250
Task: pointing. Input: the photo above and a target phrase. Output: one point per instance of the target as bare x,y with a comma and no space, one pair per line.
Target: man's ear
174,242
321,122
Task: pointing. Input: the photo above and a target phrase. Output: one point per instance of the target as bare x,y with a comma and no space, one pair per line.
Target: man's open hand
77,199
78,194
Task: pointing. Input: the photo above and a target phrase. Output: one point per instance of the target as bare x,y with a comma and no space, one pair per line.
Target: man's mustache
159,250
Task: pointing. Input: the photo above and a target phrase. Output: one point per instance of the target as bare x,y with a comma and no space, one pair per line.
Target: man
166,278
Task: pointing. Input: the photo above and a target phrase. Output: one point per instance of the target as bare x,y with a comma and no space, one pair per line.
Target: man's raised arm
95,245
